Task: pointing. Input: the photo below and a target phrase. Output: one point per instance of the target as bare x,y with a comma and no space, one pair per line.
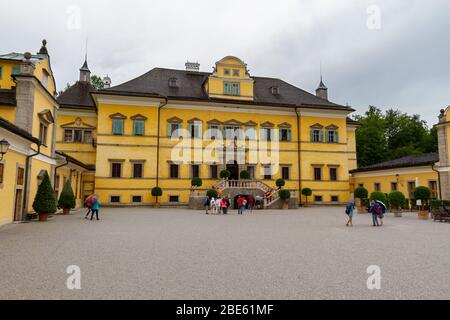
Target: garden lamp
4,146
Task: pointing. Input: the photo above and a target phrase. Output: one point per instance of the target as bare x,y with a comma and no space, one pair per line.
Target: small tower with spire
85,73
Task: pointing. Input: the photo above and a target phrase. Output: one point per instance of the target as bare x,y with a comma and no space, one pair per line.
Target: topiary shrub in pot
285,195
360,194
67,199
45,201
423,194
380,196
157,192
397,201
244,175
196,182
225,174
280,183
307,192
211,193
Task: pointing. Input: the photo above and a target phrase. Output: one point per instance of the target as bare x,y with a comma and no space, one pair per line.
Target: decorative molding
317,126
174,120
215,122
193,120
233,122
138,117
46,116
285,125
267,124
332,127
118,115
250,124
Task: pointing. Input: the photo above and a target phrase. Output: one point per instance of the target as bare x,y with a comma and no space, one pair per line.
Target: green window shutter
118,126
138,126
289,135
327,136
0,71
321,136
169,129
312,135
336,136
15,70
280,134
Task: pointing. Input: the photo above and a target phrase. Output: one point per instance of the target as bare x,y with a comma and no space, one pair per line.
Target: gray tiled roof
408,161
77,96
20,57
190,87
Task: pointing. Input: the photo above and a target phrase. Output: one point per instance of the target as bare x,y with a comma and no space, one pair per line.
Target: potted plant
397,201
225,174
360,194
244,175
423,194
156,192
285,195
380,196
45,201
211,193
67,199
196,182
280,183
307,192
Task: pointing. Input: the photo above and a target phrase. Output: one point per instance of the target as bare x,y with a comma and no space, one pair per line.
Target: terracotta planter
156,205
424,215
43,217
66,211
285,205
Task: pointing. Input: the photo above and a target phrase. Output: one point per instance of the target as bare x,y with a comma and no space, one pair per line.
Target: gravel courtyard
144,253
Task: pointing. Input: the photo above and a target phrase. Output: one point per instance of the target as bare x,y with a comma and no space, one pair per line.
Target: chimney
192,66
25,94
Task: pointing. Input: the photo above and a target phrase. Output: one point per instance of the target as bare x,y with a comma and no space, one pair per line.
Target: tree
97,82
45,200
307,192
397,199
361,193
423,194
67,198
211,193
285,194
245,175
380,196
392,135
196,182
280,183
157,192
225,174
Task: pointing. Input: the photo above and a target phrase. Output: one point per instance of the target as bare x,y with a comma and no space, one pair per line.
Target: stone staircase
235,187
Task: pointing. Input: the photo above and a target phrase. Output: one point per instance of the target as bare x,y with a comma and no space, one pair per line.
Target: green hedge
211,193
380,196
361,193
285,194
196,182
45,200
67,198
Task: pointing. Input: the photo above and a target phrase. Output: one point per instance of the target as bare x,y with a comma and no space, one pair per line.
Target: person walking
241,205
88,202
349,211
251,203
224,205
95,208
212,204
206,203
219,205
258,200
375,209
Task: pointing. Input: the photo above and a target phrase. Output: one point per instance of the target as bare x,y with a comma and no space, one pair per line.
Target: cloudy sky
392,53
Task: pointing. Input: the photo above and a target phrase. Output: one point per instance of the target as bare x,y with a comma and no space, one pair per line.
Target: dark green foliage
438,203
422,193
196,182
392,135
67,198
212,193
225,174
361,193
380,196
157,192
307,192
245,175
45,200
285,194
397,199
97,82
280,183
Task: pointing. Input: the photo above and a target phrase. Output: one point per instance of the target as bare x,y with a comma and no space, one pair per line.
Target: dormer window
275,90
173,82
226,72
236,72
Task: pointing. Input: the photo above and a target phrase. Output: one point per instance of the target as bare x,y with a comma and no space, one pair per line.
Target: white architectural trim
222,108
73,112
17,143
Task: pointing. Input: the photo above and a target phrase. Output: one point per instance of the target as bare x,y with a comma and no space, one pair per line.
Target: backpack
378,209
206,202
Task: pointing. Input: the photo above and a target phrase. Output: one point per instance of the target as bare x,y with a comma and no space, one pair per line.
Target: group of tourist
221,205
376,208
93,205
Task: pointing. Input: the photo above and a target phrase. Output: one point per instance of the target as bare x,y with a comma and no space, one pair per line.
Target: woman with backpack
349,211
224,205
375,210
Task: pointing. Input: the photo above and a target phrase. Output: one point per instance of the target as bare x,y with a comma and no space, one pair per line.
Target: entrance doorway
234,170
18,200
